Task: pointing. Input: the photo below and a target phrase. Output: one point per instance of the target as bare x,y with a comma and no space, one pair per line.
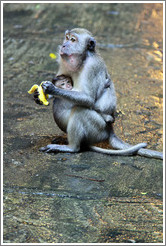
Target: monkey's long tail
117,143
127,151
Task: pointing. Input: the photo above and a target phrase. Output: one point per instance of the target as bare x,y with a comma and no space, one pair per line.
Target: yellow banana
42,96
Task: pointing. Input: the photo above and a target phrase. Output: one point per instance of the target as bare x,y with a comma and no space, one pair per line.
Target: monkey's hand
48,87
77,97
39,96
36,97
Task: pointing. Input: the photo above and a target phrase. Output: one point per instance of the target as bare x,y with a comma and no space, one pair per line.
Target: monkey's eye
73,39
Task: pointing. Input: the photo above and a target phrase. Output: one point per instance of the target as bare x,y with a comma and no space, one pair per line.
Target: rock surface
85,197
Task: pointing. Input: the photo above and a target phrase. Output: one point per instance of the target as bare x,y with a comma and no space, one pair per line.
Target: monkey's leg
117,143
88,127
60,117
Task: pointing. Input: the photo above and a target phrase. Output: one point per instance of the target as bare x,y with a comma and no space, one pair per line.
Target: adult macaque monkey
79,111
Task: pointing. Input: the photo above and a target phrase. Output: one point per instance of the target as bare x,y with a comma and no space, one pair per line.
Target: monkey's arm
77,97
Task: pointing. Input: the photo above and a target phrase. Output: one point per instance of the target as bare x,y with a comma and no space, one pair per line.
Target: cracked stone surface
85,197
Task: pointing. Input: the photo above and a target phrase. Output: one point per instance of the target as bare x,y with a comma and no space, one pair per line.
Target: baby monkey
65,82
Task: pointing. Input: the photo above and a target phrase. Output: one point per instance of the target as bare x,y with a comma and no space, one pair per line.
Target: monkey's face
72,44
64,84
74,48
71,54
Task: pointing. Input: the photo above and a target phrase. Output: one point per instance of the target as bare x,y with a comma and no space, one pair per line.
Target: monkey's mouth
68,57
65,54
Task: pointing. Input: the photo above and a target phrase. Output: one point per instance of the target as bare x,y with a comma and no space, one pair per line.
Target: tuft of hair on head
81,31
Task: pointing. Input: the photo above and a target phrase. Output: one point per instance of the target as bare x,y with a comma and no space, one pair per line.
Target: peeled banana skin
42,96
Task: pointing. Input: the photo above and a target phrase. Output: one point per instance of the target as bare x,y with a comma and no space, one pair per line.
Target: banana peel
42,96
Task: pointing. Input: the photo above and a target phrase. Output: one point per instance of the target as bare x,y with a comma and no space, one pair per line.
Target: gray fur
86,112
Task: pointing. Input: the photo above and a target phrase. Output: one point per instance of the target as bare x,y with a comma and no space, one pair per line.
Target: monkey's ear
91,44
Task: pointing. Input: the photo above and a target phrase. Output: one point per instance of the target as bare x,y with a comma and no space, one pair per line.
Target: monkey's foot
54,148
